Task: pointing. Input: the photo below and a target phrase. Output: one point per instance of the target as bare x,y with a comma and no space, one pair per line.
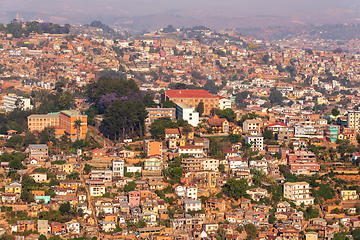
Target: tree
335,112
65,208
77,125
268,134
157,128
235,188
66,101
251,231
129,187
221,234
200,108
169,104
42,237
276,97
228,113
221,168
234,138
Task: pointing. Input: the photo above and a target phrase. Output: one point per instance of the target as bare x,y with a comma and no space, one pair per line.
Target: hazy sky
223,7
83,11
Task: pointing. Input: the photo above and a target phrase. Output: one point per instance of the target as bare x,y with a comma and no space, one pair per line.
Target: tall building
353,119
64,123
257,142
187,113
298,192
331,132
37,122
155,113
12,102
192,98
152,147
118,168
67,122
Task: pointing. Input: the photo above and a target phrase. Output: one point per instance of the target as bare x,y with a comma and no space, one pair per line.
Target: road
88,197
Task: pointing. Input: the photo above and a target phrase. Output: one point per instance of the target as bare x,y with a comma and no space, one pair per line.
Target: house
230,152
68,167
348,195
43,227
118,168
153,163
298,192
215,204
96,188
191,205
58,228
97,152
72,226
9,197
355,157
256,142
107,226
25,225
172,133
13,187
39,152
218,125
257,193
152,147
134,198
104,175
189,135
61,175
39,177
251,125
125,153
289,233
20,206
195,151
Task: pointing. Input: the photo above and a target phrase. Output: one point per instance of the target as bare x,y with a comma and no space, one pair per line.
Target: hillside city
176,134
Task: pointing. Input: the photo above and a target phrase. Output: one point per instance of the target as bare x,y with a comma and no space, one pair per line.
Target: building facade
298,192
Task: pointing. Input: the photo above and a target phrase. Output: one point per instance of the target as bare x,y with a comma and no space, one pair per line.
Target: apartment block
192,98
353,118
67,122
152,147
118,168
257,142
37,122
187,113
12,102
298,192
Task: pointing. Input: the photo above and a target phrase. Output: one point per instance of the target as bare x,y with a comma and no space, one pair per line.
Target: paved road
88,197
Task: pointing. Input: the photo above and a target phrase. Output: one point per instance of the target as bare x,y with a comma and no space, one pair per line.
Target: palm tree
77,125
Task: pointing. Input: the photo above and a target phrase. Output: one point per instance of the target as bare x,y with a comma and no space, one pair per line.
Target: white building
72,227
11,102
257,142
39,177
180,191
196,151
185,112
259,165
118,168
96,188
210,164
191,205
191,192
298,192
224,103
105,175
235,162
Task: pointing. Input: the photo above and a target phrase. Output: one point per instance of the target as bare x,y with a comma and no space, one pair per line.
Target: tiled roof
186,93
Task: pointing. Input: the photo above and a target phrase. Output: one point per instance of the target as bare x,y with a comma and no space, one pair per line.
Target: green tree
169,104
200,108
221,234
228,113
268,134
335,112
66,101
65,208
129,187
235,188
276,97
157,128
221,168
42,237
251,231
234,138
77,125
